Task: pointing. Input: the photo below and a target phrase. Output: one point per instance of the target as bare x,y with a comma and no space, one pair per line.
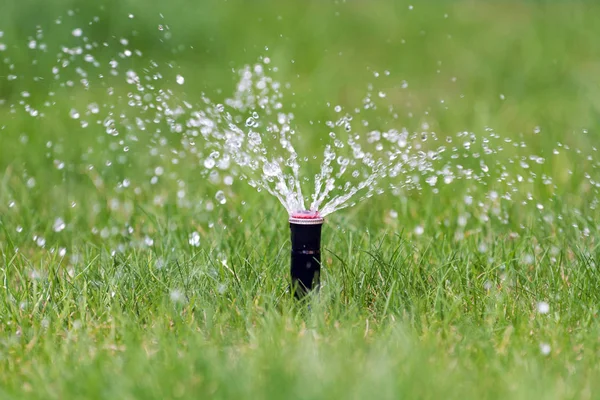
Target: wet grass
424,295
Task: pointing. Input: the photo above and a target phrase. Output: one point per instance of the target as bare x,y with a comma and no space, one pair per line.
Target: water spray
305,227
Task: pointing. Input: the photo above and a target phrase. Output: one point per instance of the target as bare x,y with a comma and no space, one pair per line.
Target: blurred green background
540,56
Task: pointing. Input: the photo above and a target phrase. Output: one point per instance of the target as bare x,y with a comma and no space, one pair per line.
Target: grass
120,304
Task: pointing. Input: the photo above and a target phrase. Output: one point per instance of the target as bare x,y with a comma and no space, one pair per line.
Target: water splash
262,147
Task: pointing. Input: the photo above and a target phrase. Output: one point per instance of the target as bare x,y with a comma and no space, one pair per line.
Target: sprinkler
305,227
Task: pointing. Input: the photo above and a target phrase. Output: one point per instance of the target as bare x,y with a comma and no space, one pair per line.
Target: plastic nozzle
305,227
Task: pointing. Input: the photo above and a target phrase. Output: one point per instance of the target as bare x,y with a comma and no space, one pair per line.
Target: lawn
130,269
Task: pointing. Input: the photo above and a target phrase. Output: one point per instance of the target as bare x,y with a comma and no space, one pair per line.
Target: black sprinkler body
305,227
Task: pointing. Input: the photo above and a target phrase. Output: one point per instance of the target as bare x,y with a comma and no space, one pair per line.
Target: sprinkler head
305,227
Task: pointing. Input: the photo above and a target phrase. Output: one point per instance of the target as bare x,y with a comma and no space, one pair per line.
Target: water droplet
271,169
194,239
209,163
93,108
177,296
180,79
59,225
220,197
543,307
545,348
